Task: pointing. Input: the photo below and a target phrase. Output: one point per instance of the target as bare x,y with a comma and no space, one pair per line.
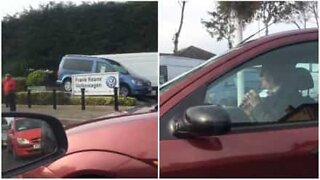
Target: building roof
194,52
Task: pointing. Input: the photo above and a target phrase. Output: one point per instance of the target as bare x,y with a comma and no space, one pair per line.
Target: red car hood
133,135
29,134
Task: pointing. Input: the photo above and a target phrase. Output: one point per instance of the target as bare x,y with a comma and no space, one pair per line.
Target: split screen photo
159,89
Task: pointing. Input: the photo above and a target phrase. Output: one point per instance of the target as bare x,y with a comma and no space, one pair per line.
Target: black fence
54,100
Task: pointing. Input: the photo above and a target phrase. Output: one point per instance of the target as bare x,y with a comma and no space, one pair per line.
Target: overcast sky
193,32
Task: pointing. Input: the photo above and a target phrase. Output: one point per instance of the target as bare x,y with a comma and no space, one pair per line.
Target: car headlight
137,82
23,141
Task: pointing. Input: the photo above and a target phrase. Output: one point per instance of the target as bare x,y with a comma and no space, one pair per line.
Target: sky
193,32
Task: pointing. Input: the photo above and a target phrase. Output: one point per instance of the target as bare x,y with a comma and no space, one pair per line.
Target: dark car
203,136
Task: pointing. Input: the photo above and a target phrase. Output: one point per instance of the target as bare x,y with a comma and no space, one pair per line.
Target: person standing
9,89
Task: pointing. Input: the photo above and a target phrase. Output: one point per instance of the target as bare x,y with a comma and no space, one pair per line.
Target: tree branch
177,34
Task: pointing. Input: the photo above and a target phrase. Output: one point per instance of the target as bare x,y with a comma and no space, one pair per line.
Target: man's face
265,82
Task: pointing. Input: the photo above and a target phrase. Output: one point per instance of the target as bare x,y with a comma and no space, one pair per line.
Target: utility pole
240,74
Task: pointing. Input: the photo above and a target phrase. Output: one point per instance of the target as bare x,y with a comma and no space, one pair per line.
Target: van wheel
124,90
67,85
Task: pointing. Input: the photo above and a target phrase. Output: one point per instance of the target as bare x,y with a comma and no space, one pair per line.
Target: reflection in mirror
25,140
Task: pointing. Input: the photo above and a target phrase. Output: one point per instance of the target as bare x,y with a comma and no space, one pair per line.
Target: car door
284,147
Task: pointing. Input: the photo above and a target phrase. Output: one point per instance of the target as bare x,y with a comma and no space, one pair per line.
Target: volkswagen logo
111,82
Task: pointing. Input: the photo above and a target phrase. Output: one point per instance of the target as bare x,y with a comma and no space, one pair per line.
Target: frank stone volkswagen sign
95,83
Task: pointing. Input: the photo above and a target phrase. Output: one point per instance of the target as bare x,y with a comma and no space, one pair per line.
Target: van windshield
118,67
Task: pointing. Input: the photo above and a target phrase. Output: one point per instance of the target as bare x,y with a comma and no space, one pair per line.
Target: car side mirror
206,120
35,140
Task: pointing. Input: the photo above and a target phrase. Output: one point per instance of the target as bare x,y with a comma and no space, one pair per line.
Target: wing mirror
206,120
35,140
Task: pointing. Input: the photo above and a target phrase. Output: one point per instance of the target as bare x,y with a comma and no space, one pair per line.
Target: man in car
281,95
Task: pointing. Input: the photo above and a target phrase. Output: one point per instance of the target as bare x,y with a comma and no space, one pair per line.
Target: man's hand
250,101
253,98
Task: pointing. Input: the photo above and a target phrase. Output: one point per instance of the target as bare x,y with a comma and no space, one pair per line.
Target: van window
79,65
103,67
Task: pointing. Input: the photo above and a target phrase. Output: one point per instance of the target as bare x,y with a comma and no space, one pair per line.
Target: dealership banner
95,83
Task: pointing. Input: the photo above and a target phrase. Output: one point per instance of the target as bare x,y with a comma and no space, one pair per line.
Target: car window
103,67
248,97
78,65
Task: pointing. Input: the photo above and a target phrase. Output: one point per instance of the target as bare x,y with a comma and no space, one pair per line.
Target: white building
172,65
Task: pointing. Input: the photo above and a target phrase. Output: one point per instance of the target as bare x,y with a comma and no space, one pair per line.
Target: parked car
201,136
4,128
130,84
136,63
24,137
121,146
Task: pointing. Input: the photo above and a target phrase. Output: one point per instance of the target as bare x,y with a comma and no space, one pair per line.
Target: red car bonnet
29,133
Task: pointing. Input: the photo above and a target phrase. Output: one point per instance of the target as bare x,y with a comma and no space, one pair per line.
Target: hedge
45,98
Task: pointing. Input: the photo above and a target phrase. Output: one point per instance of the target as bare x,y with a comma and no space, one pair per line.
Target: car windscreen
25,124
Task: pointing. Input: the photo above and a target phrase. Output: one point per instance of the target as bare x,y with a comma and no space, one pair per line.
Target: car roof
280,35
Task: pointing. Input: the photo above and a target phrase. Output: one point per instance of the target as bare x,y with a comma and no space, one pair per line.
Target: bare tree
272,12
314,9
301,12
177,34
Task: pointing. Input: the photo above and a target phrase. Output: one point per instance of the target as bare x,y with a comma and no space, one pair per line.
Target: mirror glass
25,140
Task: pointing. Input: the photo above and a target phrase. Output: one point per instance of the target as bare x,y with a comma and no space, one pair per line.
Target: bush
45,98
37,78
127,101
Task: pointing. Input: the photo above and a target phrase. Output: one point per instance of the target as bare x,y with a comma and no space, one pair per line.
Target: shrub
37,78
127,101
45,98
103,100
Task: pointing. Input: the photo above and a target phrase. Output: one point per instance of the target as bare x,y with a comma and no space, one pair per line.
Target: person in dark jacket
281,96
9,89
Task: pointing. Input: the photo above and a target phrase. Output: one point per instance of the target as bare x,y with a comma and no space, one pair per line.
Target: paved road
9,162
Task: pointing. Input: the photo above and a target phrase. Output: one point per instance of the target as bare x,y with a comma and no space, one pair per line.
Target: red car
24,137
205,132
122,146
